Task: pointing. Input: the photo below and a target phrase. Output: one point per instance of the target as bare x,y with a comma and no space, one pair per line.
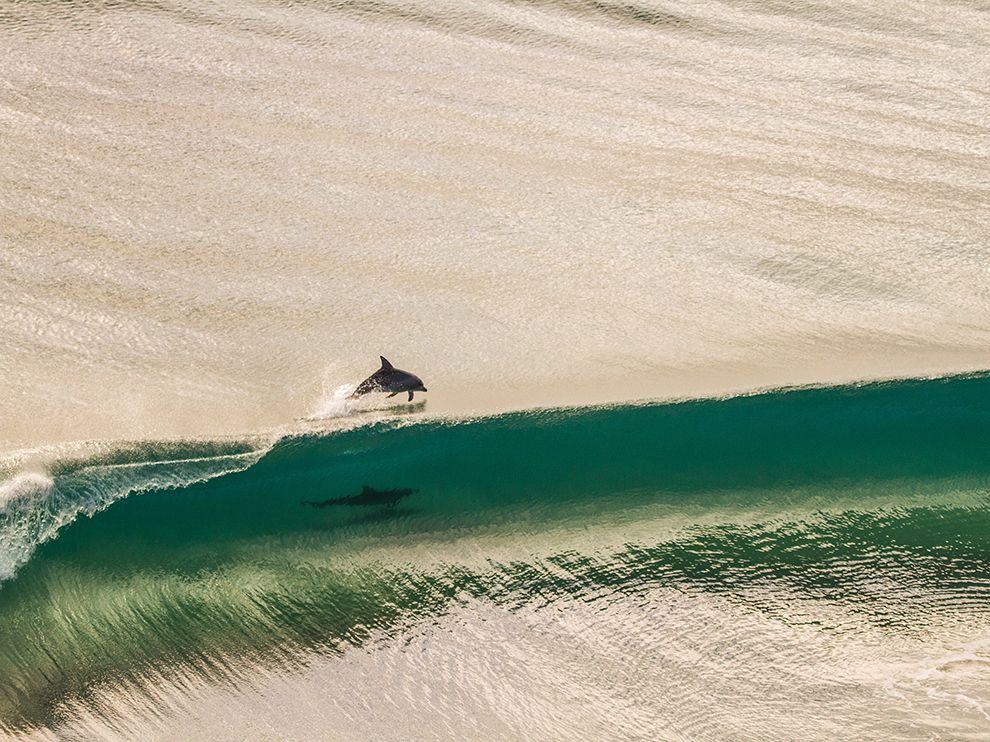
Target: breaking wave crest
34,506
808,505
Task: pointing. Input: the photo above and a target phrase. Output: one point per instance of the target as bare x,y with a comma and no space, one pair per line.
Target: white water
34,507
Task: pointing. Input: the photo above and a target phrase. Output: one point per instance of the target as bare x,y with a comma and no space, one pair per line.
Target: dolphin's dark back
389,379
378,381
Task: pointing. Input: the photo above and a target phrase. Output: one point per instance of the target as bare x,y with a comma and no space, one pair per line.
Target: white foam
23,485
22,499
34,507
334,403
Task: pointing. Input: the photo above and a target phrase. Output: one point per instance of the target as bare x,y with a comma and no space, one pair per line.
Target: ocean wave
838,495
908,430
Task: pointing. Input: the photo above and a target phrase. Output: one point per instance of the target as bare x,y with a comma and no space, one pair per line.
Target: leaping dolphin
389,379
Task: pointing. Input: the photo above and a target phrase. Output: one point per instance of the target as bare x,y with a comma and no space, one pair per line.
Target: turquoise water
855,514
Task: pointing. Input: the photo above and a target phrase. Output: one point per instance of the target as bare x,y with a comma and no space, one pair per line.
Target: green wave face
867,499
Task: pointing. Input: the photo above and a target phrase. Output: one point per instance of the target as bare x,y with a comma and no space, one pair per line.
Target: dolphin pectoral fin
410,397
393,394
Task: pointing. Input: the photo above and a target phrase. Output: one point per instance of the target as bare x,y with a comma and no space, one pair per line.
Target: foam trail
24,492
34,507
22,485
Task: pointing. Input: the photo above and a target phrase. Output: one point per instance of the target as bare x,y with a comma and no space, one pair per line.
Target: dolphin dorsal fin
385,363
368,490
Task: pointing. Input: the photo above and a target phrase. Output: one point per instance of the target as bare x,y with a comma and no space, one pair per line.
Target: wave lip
20,498
35,506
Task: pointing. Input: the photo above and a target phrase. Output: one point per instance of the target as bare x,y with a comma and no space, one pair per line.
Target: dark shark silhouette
369,497
389,379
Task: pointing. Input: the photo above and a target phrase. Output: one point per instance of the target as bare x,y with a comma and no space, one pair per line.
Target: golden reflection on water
212,210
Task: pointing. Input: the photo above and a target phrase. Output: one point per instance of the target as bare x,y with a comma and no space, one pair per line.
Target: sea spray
335,403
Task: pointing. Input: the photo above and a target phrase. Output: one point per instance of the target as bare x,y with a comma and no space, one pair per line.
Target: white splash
23,486
27,492
334,403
